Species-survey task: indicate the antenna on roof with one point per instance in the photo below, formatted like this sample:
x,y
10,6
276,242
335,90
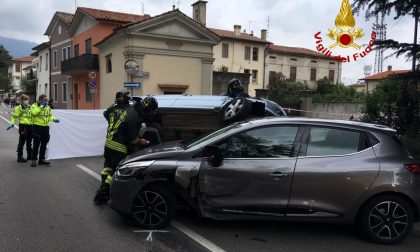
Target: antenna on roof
x,y
250,22
178,4
142,8
75,5
268,25
173,5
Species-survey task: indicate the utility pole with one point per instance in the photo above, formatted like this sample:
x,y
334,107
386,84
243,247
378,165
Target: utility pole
x,y
415,49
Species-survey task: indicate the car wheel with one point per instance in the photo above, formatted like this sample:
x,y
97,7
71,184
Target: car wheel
x,y
153,207
237,109
386,219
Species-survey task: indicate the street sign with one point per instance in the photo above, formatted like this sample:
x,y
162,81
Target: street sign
x,y
92,85
93,91
92,75
134,84
142,74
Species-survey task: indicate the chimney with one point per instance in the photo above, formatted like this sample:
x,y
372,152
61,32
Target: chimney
x,y
252,33
389,68
237,30
264,34
199,12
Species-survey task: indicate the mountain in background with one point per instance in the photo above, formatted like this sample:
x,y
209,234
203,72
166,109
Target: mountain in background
x,y
16,47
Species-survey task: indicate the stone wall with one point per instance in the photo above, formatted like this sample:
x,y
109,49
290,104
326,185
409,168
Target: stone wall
x,y
221,79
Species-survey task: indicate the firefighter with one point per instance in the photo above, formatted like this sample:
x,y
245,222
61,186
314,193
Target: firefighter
x,y
22,112
122,102
121,140
41,118
235,89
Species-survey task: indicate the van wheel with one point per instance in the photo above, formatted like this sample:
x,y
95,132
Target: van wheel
x,y
238,108
153,207
386,219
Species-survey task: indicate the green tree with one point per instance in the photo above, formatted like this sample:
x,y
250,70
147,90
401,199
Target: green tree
x,y
401,8
284,91
396,103
328,92
4,64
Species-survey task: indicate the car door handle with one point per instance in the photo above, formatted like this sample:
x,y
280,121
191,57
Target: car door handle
x,y
279,174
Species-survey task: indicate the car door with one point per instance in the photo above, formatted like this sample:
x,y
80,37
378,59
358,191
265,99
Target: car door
x,y
255,175
335,168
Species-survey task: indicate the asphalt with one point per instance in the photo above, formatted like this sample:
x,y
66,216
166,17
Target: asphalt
x,y
50,209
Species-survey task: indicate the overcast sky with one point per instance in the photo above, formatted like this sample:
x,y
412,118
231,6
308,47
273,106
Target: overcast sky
x,y
292,22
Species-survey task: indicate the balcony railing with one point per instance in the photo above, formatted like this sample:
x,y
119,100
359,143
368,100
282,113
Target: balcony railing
x,y
80,64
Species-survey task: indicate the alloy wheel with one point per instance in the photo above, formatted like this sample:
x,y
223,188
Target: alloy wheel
x,y
388,220
150,208
233,108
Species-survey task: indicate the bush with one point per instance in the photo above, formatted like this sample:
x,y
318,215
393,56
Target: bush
x,y
328,92
284,91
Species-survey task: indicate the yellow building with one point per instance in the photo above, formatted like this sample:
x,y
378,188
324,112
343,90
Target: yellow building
x,y
373,81
174,54
359,87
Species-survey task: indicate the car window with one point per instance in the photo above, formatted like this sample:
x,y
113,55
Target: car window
x,y
268,142
207,139
330,141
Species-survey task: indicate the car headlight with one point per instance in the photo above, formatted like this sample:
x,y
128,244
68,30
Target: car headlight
x,y
129,169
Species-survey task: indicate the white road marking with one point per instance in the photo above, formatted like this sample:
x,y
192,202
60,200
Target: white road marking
x,y
190,233
149,237
89,171
8,121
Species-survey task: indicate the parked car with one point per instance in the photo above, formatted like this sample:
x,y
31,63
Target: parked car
x,y
187,117
280,168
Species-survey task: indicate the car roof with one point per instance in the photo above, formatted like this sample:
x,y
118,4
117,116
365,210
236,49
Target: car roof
x,y
325,122
191,101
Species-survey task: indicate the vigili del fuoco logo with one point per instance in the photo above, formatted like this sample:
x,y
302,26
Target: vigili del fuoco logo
x,y
345,35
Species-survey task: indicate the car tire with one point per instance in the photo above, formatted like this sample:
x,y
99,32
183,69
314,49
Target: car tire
x,y
386,219
153,207
238,108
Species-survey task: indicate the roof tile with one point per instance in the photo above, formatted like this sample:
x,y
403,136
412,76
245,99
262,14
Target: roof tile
x,y
244,36
295,50
111,16
383,75
67,17
24,59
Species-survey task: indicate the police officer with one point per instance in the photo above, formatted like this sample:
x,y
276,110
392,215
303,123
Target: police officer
x,y
22,113
41,117
121,140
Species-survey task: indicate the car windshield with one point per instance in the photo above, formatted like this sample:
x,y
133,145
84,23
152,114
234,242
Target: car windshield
x,y
206,139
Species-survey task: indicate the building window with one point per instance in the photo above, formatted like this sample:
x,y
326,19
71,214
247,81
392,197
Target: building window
x,y
108,63
88,44
17,67
254,76
272,57
68,52
314,61
332,63
331,76
293,59
293,73
89,96
64,90
225,50
313,74
247,71
55,59
255,54
76,50
55,92
247,53
271,77
64,54
40,63
46,61
46,89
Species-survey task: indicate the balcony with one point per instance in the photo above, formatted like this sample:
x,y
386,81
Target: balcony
x,y
80,64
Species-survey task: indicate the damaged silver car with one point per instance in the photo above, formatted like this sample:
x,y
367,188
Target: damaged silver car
x,y
280,169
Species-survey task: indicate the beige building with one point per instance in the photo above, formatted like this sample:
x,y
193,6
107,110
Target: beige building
x,y
301,64
15,71
42,62
359,87
373,81
174,54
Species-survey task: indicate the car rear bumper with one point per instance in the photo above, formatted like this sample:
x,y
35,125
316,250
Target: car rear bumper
x,y
123,193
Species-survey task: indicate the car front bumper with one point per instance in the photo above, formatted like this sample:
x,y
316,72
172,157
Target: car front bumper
x,y
123,193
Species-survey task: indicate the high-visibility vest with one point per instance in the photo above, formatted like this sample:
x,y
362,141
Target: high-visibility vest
x,y
41,115
23,114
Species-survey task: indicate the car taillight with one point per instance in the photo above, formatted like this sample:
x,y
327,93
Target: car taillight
x,y
413,168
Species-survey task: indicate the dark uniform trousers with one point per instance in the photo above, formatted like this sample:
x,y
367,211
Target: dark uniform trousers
x,y
112,159
25,136
41,135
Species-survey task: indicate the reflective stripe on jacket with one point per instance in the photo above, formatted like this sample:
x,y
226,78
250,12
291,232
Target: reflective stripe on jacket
x,y
41,115
23,114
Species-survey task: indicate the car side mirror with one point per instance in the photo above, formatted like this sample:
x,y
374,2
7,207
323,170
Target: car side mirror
x,y
142,130
214,155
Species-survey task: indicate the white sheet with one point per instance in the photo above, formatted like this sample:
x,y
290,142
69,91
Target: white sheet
x,y
80,133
